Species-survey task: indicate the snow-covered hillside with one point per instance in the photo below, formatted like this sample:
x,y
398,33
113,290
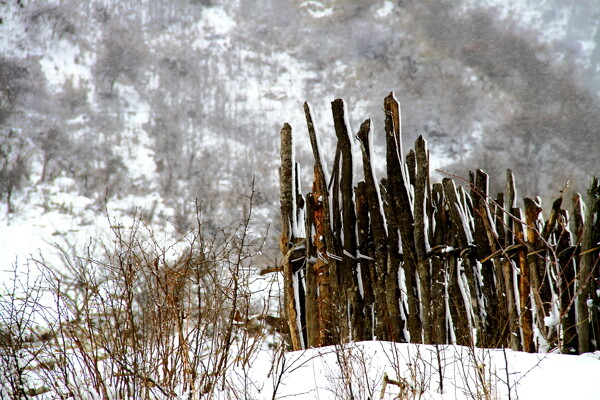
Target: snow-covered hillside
x,y
149,113
156,104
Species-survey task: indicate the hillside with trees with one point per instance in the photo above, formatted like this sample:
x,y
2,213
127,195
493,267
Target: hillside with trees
x,y
182,100
141,198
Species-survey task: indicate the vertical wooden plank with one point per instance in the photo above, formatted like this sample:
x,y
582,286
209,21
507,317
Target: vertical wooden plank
x,y
459,221
589,260
421,235
509,265
578,218
503,291
312,310
492,321
285,183
459,309
439,263
509,203
566,284
498,213
411,166
288,225
322,267
299,260
392,293
325,267
378,228
536,261
400,216
505,267
348,267
526,317
365,260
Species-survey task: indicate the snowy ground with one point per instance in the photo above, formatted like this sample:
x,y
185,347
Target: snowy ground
x,y
466,374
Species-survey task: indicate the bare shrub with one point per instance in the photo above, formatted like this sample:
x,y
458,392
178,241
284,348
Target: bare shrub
x,y
147,320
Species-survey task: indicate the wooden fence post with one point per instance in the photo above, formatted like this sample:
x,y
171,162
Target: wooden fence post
x,y
379,259
288,240
352,306
421,231
383,320
400,218
323,240
588,279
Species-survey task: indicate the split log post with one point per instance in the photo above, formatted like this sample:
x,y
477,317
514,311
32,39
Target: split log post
x,y
491,322
508,265
365,260
439,264
566,284
470,264
536,262
526,317
347,270
589,260
400,219
551,270
312,309
288,240
411,166
383,321
462,305
325,266
421,229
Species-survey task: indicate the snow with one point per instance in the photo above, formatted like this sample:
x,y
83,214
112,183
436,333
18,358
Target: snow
x,y
333,372
217,21
66,62
215,24
316,9
385,9
589,302
553,319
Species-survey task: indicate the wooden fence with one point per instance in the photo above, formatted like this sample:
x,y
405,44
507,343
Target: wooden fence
x,y
407,260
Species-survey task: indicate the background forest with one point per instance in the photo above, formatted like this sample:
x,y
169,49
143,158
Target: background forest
x,y
154,104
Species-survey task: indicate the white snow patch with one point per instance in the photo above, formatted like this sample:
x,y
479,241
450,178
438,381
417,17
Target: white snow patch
x,y
553,319
64,62
316,9
217,21
212,28
385,9
587,47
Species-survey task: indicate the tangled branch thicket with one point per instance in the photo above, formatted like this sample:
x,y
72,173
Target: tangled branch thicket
x,y
143,321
